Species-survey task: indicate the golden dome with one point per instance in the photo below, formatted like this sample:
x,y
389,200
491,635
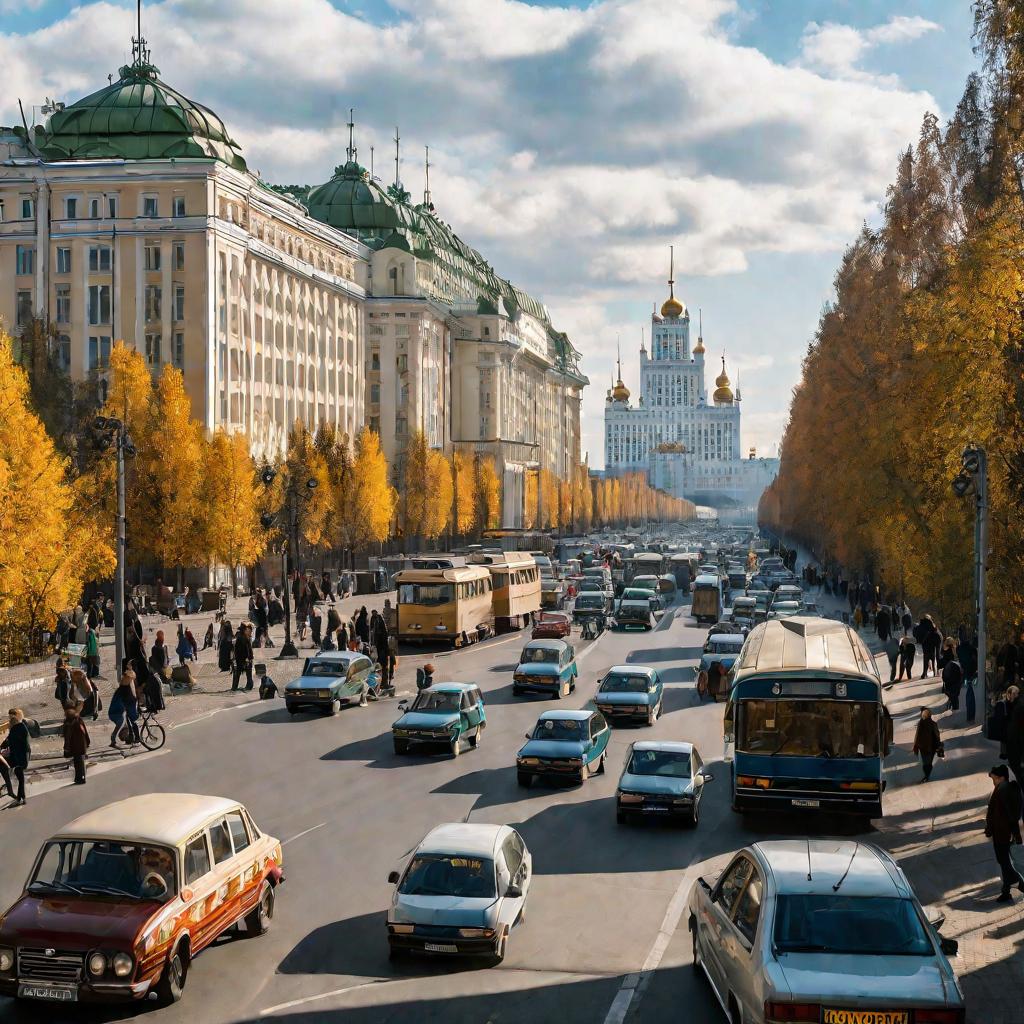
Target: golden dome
x,y
620,393
723,392
698,349
672,308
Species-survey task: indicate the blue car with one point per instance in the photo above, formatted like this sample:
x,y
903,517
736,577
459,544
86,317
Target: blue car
x,y
546,666
442,715
564,745
329,680
630,693
661,780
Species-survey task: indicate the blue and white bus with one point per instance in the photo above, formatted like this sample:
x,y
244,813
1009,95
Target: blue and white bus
x,y
806,721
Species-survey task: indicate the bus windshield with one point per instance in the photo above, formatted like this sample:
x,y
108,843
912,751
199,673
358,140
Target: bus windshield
x,y
808,728
429,594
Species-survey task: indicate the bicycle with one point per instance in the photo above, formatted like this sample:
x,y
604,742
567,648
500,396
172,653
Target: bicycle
x,y
152,734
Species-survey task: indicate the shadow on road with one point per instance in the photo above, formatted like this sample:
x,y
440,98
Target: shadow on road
x,y
492,786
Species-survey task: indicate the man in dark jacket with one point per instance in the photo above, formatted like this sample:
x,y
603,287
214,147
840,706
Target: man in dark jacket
x,y
15,754
243,657
1015,737
967,654
883,623
76,741
952,683
1002,826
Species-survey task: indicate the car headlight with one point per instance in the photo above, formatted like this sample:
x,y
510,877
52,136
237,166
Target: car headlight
x,y
686,799
440,628
401,929
97,964
630,798
528,760
576,761
476,933
400,732
123,964
6,959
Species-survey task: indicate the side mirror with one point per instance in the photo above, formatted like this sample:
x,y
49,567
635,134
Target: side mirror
x,y
403,706
527,735
513,891
708,777
393,878
949,947
703,883
935,917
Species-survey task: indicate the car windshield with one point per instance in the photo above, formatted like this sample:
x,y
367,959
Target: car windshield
x,y
592,586
868,925
644,583
633,594
560,729
449,875
809,728
722,647
590,601
436,700
95,867
428,594
539,656
669,764
616,683
325,668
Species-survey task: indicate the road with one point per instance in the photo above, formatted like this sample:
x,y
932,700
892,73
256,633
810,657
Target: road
x,y
600,940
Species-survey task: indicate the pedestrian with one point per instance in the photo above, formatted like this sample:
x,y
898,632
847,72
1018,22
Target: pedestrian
x,y
83,692
160,656
331,630
76,740
302,607
892,652
92,615
968,655
927,742
1006,662
928,636
1015,733
124,710
108,614
316,622
325,586
275,612
702,684
183,648
16,752
192,644
947,653
363,626
1002,826
243,657
208,638
952,683
61,683
908,649
92,652
226,646
425,677
60,633
858,618
883,623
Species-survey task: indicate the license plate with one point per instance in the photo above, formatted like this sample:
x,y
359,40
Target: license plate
x,y
440,947
796,802
866,1017
654,807
53,993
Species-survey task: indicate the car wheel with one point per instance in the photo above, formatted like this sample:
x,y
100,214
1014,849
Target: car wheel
x,y
600,766
620,817
334,708
257,921
474,740
456,747
516,691
692,819
525,779
394,953
401,746
500,947
171,986
695,945
292,709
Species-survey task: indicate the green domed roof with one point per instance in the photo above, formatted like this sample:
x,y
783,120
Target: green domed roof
x,y
351,202
137,118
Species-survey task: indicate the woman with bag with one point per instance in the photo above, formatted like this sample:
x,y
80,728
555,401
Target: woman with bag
x,y
15,754
927,742
82,691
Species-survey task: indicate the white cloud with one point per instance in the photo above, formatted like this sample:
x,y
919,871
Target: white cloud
x,y
570,145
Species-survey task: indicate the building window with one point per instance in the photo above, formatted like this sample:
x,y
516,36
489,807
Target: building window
x,y
99,304
99,351
178,355
63,303
154,302
28,208
152,256
63,261
99,258
402,363
179,302
153,348
374,360
179,206
375,394
25,258
24,311
1,211
64,352
71,207
95,207
150,206
112,207
401,426
179,255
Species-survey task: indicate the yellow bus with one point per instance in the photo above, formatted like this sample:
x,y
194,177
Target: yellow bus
x,y
515,579
445,604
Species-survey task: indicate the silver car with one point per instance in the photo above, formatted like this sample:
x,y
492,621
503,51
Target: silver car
x,y
821,930
461,892
661,779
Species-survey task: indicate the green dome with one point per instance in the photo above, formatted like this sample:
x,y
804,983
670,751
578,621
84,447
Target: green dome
x,y
351,202
137,118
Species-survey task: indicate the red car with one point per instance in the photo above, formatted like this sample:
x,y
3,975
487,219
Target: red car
x,y
552,626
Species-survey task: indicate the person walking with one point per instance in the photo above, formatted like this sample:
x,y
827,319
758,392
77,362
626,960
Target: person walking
x,y
363,626
883,623
83,692
226,646
928,636
160,656
1015,732
906,619
183,649
61,683
261,617
968,655
243,657
124,709
927,742
76,741
92,652
892,652
16,752
1002,826
325,586
331,631
952,683
908,649
316,622
208,637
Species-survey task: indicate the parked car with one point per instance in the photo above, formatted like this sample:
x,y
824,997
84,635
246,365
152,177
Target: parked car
x,y
441,715
329,679
546,666
564,745
552,626
121,900
636,607
792,930
461,893
630,693
661,779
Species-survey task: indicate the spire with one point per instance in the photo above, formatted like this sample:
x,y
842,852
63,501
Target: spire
x,y
737,385
426,177
672,308
398,139
671,271
351,151
643,346
618,356
699,347
140,52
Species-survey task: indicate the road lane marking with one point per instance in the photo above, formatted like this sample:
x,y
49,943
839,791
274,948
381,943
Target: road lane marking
x,y
306,833
323,995
633,984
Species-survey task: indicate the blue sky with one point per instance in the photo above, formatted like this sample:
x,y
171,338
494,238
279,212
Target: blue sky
x,y
572,142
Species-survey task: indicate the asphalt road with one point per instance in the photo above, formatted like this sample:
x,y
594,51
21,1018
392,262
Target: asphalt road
x,y
599,941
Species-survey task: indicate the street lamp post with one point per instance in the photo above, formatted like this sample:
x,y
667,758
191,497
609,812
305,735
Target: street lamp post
x,y
267,520
974,477
108,432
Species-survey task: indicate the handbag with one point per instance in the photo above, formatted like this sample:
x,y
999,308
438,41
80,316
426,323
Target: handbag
x,y
941,750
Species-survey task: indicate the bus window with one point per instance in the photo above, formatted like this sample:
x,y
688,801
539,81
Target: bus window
x,y
808,728
428,594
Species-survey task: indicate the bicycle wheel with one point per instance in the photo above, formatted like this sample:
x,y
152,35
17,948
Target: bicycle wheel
x,y
152,734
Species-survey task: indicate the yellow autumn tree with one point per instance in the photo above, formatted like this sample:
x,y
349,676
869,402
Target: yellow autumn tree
x,y
341,521
440,495
48,545
231,498
488,493
548,499
312,505
373,498
531,491
464,486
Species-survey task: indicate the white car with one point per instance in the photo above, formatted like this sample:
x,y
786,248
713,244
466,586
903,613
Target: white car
x,y
461,893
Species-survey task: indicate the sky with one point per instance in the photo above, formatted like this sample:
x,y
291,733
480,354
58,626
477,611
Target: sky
x,y
571,142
